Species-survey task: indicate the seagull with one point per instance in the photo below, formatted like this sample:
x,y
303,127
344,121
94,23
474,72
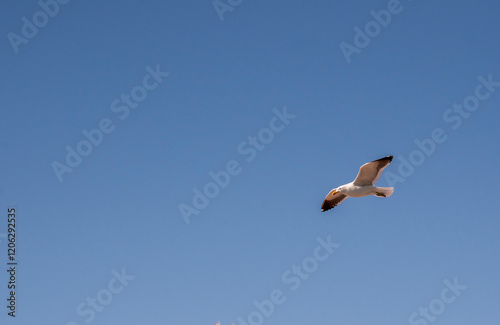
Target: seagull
x,y
363,185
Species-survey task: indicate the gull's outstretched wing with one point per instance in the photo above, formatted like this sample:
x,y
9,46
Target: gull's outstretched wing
x,y
332,200
370,172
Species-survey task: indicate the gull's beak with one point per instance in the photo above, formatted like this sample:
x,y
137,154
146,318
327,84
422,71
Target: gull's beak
x,y
335,192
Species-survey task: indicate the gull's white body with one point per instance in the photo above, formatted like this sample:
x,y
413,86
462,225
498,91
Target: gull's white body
x,y
359,191
363,185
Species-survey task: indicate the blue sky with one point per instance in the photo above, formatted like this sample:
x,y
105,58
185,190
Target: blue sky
x,y
106,242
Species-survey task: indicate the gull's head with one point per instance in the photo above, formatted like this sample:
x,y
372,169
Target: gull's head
x,y
339,189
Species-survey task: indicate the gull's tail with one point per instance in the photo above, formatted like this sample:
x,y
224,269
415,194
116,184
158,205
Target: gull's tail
x,y
384,191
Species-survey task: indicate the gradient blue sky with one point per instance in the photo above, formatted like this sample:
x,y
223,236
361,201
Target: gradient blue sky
x,y
120,207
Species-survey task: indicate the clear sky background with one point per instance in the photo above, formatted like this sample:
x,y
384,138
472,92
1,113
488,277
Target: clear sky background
x,y
119,208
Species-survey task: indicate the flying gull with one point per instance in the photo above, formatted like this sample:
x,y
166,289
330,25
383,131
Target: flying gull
x,y
363,185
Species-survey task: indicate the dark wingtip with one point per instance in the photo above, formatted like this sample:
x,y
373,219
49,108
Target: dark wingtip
x,y
326,208
385,158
